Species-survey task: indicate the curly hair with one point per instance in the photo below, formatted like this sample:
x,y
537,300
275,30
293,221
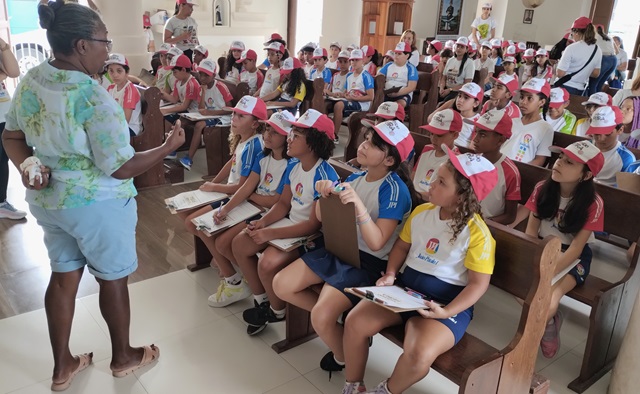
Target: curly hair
x,y
468,206
319,142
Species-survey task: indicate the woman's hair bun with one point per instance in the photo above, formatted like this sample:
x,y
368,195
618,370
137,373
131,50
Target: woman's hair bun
x,y
47,13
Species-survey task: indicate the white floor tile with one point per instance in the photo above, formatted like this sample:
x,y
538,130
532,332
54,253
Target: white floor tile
x,y
564,370
306,357
296,386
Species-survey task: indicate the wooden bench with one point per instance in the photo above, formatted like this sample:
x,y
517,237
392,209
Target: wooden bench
x,y
479,76
314,97
576,107
151,136
524,267
425,102
610,302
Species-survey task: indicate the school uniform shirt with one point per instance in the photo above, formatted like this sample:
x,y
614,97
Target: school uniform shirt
x,y
233,75
307,70
78,131
527,72
452,69
128,97
425,171
399,75
339,83
358,85
162,78
574,57
386,198
511,109
581,127
303,187
271,81
616,160
324,74
564,124
190,90
483,27
244,156
216,98
271,173
333,65
253,79
178,27
432,253
489,64
300,93
507,188
545,73
595,217
371,68
528,141
414,58
466,134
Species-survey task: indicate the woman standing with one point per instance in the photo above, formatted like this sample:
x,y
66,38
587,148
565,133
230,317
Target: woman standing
x,y
81,137
483,27
581,59
619,76
608,64
181,29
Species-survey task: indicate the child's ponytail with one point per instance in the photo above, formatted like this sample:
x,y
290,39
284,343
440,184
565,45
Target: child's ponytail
x,y
545,107
468,206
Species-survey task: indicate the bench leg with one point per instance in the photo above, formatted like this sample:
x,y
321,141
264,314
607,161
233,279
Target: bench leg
x,y
203,256
299,329
482,380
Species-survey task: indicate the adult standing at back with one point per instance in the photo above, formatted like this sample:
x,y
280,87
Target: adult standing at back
x,y
80,135
483,27
181,29
609,61
580,60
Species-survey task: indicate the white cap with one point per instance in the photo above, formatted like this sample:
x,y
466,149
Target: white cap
x,y
472,89
164,48
175,51
343,55
356,54
201,49
487,5
511,50
529,53
509,59
237,46
485,44
600,99
335,44
275,46
208,66
449,44
462,41
496,43
116,58
542,52
281,122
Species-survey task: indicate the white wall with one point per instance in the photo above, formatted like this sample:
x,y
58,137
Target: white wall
x,y
342,22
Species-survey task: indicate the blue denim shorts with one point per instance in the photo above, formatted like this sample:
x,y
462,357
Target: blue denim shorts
x,y
101,236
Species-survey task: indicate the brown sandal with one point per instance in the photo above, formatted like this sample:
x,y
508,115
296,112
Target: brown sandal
x,y
151,354
85,361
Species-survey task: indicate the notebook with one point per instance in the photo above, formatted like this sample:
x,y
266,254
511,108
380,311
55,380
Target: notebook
x,y
394,298
289,244
239,214
197,116
192,199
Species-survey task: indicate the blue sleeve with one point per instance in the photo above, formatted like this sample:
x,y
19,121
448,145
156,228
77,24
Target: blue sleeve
x,y
324,172
285,177
346,81
627,158
367,80
256,164
266,63
384,68
413,72
394,200
633,167
326,73
355,176
249,155
499,61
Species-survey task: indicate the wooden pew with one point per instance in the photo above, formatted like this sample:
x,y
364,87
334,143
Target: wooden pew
x,y
576,107
314,97
426,67
152,136
425,102
479,76
610,303
497,70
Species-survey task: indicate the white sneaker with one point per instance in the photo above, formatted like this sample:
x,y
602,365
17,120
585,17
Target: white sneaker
x,y
8,211
353,388
228,294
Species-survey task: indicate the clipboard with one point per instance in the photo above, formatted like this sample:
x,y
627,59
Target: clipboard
x,y
289,244
393,298
394,89
339,229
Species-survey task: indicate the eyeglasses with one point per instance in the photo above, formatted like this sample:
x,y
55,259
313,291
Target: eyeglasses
x,y
108,42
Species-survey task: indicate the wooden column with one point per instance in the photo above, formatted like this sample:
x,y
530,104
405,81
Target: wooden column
x,y
292,20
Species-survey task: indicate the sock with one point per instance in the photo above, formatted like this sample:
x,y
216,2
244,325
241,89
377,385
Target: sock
x,y
234,279
337,361
279,313
260,298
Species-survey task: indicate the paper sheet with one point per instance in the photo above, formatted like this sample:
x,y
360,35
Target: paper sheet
x,y
192,199
237,215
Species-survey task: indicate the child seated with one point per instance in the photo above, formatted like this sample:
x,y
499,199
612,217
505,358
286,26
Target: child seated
x,y
467,102
606,126
124,92
232,67
492,130
504,88
173,53
560,119
596,100
509,64
199,54
186,90
543,68
275,53
334,50
163,72
307,54
370,59
338,85
250,73
402,76
388,110
319,69
528,65
292,90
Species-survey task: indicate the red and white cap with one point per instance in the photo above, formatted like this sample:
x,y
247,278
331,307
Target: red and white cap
x,y
275,46
202,50
472,89
249,105
443,122
509,81
537,85
397,134
335,44
605,119
390,54
146,21
478,170
273,37
185,2
351,47
281,122
309,47
436,59
344,55
356,54
583,152
521,47
317,120
368,50
449,44
289,64
164,48
558,97
496,120
116,58
599,99
180,61
319,53
249,54
436,44
464,41
175,52
236,46
581,23
542,52
496,43
389,110
509,59
208,66
402,47
485,44
510,51
507,43
530,53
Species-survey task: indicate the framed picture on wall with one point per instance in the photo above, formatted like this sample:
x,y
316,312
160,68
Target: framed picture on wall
x,y
449,18
528,16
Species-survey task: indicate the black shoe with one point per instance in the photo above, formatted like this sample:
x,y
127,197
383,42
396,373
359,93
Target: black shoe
x,y
260,315
255,330
328,363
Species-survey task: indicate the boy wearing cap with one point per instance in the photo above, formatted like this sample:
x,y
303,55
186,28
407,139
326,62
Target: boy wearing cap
x,y
199,54
606,126
124,92
174,52
503,90
458,70
509,65
595,101
275,52
250,73
338,85
434,49
334,51
319,70
401,76
560,119
484,61
493,129
186,91
307,52
273,38
484,26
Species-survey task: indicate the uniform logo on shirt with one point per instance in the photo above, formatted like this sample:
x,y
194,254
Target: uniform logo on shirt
x,y
394,75
210,101
524,146
268,178
298,194
427,178
233,163
432,246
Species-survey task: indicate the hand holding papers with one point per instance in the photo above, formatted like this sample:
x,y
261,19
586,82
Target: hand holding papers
x,y
192,199
394,298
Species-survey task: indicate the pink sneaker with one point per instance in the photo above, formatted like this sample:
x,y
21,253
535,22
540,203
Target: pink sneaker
x,y
550,343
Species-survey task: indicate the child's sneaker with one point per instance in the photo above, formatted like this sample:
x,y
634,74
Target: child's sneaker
x,y
353,388
329,364
171,156
259,316
380,389
227,294
550,343
186,163
8,211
